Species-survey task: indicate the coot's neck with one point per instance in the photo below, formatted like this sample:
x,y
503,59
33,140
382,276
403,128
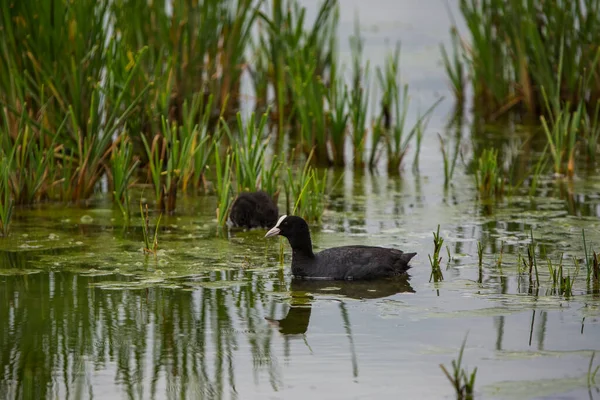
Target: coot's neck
x,y
301,246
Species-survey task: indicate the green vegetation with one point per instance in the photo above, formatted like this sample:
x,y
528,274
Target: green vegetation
x,y
592,372
122,169
150,243
148,106
305,192
488,177
6,203
436,261
562,284
462,382
516,48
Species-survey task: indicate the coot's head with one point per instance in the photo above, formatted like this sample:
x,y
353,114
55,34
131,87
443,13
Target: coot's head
x,y
295,229
289,226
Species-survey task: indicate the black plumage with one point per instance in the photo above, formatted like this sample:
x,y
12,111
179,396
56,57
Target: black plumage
x,y
253,210
342,263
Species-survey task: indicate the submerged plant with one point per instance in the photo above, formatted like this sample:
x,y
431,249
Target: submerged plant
x,y
462,382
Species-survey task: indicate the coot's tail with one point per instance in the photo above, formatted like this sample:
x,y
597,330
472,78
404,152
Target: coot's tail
x,y
406,257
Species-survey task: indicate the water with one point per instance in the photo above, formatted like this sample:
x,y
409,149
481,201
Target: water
x,y
86,315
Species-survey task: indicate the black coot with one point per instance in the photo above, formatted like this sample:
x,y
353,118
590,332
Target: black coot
x,y
347,262
253,210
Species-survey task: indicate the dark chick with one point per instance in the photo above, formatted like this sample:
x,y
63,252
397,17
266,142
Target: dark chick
x,y
346,262
253,210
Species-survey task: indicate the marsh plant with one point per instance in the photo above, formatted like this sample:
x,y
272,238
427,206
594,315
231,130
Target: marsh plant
x,y
171,160
462,382
358,98
488,175
306,192
394,111
436,260
81,104
561,131
516,48
250,149
150,242
6,201
123,167
224,187
455,67
562,281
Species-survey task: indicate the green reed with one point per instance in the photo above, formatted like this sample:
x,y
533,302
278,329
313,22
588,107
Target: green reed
x,y
562,283
395,104
196,47
309,94
6,201
436,260
531,263
450,154
591,132
33,172
287,38
561,131
488,175
270,179
224,187
306,189
449,158
249,148
171,160
540,167
455,67
123,166
68,68
378,132
518,47
57,51
337,117
196,118
150,244
462,382
594,271
358,97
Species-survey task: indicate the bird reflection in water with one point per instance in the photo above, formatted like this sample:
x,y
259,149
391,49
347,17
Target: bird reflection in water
x,y
305,292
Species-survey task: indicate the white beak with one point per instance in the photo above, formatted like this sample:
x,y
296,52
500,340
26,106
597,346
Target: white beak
x,y
273,232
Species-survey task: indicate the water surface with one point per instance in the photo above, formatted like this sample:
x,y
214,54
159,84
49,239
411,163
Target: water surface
x,y
87,315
